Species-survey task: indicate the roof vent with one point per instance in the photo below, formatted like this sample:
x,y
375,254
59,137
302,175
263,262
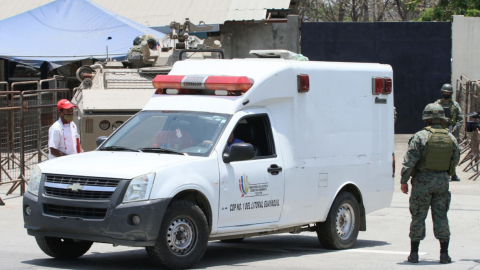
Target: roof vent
x,y
287,55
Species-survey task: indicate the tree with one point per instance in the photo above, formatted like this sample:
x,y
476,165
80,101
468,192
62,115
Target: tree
x,y
354,10
445,9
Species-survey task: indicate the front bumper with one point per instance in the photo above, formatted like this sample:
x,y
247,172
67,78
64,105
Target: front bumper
x,y
115,227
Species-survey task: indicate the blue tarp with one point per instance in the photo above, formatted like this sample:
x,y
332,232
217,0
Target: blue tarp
x,y
64,31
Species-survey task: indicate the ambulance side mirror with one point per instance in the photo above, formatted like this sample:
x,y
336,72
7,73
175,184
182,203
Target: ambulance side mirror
x,y
100,140
239,152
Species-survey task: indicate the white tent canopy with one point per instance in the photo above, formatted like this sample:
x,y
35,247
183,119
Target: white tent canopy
x,y
64,31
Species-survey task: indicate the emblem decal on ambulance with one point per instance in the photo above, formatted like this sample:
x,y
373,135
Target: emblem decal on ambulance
x,y
243,184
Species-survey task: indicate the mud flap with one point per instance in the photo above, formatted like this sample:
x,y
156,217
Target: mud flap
x,y
363,218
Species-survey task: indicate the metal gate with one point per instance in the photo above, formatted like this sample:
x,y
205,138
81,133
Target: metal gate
x,y
468,96
25,118
419,53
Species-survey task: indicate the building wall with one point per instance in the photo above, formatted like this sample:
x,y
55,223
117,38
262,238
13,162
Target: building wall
x,y
419,53
465,48
239,38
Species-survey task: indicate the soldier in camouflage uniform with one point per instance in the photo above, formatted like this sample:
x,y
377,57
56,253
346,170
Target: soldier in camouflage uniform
x,y
454,115
432,156
134,55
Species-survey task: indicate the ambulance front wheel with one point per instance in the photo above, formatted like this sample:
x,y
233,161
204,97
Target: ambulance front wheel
x,y
183,236
340,230
64,249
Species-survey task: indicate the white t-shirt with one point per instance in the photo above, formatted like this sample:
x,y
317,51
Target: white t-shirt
x,y
63,138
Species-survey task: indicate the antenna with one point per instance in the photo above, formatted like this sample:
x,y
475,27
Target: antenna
x,y
107,54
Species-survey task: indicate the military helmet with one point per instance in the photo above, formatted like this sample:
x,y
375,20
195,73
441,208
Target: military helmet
x,y
137,40
447,88
150,39
433,111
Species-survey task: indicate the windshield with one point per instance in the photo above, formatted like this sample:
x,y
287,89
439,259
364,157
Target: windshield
x,y
191,133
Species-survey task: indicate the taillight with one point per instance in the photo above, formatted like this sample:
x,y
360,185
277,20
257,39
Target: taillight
x,y
377,85
388,86
381,85
303,83
176,84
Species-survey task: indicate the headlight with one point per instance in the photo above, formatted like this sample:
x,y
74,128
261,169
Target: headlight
x,y
139,188
34,183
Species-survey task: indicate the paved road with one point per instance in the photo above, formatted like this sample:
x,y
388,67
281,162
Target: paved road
x,y
385,244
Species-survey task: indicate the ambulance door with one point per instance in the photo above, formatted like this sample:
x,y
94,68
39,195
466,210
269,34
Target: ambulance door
x,y
251,191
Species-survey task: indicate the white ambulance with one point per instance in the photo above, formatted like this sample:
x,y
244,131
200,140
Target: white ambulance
x,y
227,149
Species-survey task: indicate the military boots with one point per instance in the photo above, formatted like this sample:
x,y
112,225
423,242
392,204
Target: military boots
x,y
444,258
413,258
455,178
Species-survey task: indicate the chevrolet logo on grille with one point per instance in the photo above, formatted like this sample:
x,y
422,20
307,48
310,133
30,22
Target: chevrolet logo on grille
x,y
75,187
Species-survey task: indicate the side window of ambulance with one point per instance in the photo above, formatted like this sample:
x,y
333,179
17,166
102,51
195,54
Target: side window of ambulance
x,y
256,131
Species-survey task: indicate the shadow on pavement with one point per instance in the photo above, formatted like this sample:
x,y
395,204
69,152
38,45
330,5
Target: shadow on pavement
x,y
424,262
217,254
5,198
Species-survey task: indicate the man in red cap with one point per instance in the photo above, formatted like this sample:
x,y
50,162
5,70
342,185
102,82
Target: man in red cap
x,y
63,138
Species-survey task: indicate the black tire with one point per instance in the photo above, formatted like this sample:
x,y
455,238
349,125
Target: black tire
x,y
235,240
64,249
187,220
344,234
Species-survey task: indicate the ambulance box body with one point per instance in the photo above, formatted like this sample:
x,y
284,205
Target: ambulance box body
x,y
228,149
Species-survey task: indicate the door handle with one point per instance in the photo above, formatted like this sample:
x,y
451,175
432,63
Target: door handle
x,y
274,169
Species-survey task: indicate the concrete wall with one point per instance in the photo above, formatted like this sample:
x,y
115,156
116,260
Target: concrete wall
x,y
465,48
239,38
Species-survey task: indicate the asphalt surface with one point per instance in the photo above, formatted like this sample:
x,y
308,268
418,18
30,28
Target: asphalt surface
x,y
385,244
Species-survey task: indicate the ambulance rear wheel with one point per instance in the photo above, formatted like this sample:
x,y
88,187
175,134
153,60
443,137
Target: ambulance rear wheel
x,y
340,230
183,236
65,249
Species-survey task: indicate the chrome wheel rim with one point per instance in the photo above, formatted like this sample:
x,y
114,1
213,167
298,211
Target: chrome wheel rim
x,y
345,221
181,235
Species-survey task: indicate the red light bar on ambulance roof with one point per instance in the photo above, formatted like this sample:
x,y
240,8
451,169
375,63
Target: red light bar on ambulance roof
x,y
381,85
228,84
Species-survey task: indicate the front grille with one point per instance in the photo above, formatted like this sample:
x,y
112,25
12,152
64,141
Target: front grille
x,y
81,194
79,187
70,211
84,181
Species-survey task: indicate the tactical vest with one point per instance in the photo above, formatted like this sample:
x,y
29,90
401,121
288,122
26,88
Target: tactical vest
x,y
439,151
136,48
453,113
134,56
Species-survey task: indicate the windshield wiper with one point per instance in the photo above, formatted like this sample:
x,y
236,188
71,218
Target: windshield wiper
x,y
118,148
161,150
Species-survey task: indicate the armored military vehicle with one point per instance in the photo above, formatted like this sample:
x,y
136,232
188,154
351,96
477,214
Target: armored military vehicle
x,y
112,91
